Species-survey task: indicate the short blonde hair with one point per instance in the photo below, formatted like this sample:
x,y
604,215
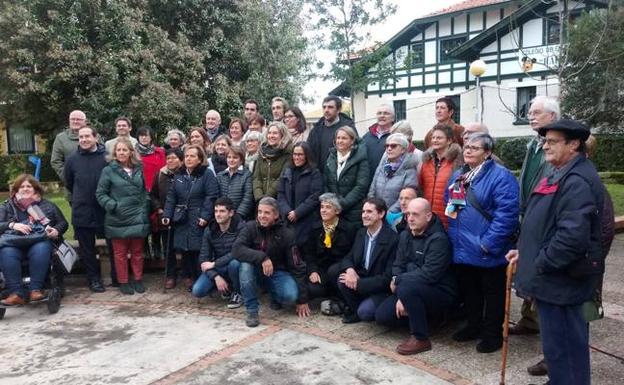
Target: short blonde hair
x,y
134,158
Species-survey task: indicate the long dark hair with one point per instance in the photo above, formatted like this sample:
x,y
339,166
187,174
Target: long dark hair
x,y
301,125
310,161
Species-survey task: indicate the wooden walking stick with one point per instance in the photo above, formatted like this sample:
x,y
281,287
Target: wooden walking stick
x,y
167,256
511,270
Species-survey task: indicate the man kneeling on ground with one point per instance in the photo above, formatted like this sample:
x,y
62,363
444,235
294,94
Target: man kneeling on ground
x,y
267,251
215,256
367,268
422,283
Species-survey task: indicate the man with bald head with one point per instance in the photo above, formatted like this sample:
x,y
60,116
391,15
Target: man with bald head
x,y
213,125
423,284
66,142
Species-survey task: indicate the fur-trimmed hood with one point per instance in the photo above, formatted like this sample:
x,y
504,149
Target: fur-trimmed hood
x,y
453,154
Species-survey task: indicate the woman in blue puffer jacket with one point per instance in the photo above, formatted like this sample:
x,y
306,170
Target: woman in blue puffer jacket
x,y
483,207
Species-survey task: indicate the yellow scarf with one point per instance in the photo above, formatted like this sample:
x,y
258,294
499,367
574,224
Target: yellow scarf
x,y
329,232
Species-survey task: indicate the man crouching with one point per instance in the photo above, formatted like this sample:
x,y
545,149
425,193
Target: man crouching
x,y
268,255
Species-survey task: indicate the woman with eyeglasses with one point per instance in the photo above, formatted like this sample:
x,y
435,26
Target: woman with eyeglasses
x,y
299,188
439,162
483,207
397,169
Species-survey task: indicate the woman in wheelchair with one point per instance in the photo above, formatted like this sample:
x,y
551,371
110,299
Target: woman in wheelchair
x,y
28,227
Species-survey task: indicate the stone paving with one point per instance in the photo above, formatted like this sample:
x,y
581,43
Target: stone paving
x,y
171,338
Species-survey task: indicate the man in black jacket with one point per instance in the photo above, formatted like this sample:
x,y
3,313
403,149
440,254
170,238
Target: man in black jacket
x,y
215,256
322,135
367,268
82,173
422,281
268,253
560,255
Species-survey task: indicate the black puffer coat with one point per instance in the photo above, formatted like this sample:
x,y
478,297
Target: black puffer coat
x,y
301,195
238,187
197,191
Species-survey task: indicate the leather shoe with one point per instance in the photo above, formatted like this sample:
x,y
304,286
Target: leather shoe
x,y
465,334
413,346
539,369
170,283
13,300
36,295
519,330
96,287
188,283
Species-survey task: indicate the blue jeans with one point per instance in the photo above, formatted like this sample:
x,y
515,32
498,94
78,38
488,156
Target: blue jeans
x,y
38,264
281,285
565,340
204,284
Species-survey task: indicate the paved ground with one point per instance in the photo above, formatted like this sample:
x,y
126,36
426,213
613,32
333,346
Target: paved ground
x,y
171,338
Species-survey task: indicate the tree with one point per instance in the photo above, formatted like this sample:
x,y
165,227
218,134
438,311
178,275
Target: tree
x,y
593,74
159,62
345,26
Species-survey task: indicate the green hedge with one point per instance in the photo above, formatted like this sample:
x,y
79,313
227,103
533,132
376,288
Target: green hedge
x,y
13,165
609,155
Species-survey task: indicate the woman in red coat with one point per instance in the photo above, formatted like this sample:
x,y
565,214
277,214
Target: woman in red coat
x,y
153,159
439,162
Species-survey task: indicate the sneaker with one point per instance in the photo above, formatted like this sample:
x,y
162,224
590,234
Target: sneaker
x,y
252,320
125,288
330,307
96,286
138,287
236,300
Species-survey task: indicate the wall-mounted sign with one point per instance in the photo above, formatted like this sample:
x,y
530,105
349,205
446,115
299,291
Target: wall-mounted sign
x,y
539,58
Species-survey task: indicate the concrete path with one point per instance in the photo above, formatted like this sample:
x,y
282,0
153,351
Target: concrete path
x,y
171,338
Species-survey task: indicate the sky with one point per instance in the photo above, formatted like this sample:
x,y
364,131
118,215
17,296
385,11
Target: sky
x,y
407,10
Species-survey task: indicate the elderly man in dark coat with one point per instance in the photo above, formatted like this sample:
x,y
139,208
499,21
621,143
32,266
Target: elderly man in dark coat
x,y
560,257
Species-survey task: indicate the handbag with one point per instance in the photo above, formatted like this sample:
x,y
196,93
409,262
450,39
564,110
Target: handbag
x,y
180,212
67,255
13,238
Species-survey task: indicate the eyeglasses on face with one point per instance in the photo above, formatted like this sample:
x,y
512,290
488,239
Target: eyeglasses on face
x,y
391,145
472,148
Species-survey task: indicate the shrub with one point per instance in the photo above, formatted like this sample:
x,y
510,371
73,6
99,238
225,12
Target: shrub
x,y
13,165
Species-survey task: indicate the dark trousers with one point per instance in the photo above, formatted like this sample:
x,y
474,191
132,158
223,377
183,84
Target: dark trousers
x,y
327,287
168,252
365,305
484,296
111,257
565,341
190,265
421,301
86,238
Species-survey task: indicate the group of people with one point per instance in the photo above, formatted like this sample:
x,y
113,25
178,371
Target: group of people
x,y
377,229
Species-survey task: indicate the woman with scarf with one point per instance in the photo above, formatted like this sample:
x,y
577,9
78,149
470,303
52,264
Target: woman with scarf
x,y
273,158
26,214
296,123
153,159
158,195
220,148
397,169
329,241
299,188
252,147
121,192
346,173
482,209
439,162
236,131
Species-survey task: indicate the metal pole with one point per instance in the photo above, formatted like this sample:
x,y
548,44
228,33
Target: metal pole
x,y
478,92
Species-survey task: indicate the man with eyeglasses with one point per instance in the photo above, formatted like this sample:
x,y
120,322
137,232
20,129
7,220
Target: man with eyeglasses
x,y
65,143
375,138
544,110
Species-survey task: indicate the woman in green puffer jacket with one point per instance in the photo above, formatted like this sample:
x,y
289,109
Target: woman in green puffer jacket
x,y
121,192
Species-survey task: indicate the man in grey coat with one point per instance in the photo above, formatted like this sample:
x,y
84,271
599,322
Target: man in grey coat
x,y
66,142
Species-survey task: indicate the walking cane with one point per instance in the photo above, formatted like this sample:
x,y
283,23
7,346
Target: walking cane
x,y
511,270
167,256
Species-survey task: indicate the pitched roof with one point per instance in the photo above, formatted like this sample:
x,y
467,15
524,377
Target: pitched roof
x,y
466,4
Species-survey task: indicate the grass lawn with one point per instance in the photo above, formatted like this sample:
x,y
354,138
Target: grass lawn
x,y
617,194
59,200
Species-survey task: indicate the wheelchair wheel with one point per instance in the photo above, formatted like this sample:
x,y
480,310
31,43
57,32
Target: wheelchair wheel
x,y
54,300
2,311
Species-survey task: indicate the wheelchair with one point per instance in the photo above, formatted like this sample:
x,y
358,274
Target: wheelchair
x,y
54,285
